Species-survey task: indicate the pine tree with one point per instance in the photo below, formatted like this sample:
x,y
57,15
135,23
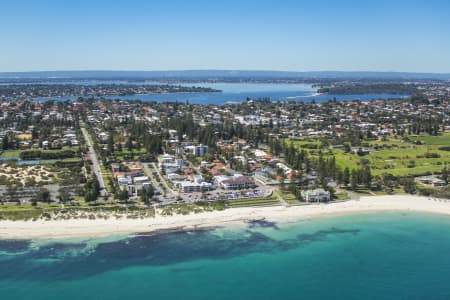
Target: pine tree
x,y
346,176
5,143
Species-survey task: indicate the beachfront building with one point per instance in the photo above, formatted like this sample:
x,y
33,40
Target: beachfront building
x,y
236,182
189,186
317,195
431,180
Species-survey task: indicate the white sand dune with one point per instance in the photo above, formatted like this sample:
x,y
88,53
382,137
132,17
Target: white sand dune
x,y
104,227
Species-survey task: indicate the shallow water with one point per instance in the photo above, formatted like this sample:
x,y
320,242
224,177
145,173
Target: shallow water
x,y
364,256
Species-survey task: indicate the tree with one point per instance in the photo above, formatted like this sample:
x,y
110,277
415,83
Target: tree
x,y
347,148
146,194
129,144
64,195
354,179
43,195
110,146
34,133
444,175
346,176
92,189
123,195
5,143
409,186
366,176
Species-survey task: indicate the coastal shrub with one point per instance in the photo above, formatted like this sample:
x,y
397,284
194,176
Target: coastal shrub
x,y
3,180
411,164
425,191
431,155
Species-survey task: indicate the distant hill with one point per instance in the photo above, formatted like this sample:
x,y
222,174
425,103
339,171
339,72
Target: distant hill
x,y
221,74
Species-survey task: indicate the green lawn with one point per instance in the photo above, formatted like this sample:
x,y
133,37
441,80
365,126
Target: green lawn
x,y
396,156
443,139
288,197
107,177
342,196
11,154
125,151
259,201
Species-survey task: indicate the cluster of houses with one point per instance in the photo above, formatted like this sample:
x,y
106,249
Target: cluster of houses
x,y
130,177
186,180
24,139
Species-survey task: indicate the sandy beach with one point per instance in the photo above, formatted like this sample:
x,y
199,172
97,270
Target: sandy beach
x,y
103,227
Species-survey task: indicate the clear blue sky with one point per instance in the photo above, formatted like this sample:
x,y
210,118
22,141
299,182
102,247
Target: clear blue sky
x,y
377,35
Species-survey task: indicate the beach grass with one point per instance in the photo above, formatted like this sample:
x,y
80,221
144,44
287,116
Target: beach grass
x,y
57,211
188,208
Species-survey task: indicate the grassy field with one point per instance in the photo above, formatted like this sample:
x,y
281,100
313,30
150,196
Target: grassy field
x,y
125,151
107,177
342,196
443,139
288,197
396,156
260,201
11,154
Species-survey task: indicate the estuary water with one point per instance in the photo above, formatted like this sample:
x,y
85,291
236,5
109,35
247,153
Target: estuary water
x,y
238,92
364,256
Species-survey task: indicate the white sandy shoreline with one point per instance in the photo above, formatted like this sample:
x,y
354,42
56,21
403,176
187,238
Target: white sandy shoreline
x,y
103,227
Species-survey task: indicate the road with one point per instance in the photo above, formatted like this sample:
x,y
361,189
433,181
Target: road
x,y
95,162
163,181
169,198
149,174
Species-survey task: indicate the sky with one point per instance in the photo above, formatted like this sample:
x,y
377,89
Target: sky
x,y
285,35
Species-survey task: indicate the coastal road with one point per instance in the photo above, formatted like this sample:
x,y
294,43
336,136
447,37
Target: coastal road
x,y
163,180
149,174
95,162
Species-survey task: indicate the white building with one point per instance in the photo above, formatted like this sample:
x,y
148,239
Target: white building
x,y
170,162
198,179
122,180
235,182
189,187
199,150
176,177
140,179
317,195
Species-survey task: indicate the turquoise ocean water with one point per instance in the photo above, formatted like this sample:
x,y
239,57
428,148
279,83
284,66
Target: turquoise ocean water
x,y
365,256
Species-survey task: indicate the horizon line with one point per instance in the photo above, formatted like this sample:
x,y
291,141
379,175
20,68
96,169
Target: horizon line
x,y
230,70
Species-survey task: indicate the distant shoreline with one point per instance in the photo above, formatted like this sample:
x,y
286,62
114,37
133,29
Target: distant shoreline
x,y
79,228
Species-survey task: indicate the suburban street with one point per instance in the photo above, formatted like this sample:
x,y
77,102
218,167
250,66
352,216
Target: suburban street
x,y
149,174
163,181
95,162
